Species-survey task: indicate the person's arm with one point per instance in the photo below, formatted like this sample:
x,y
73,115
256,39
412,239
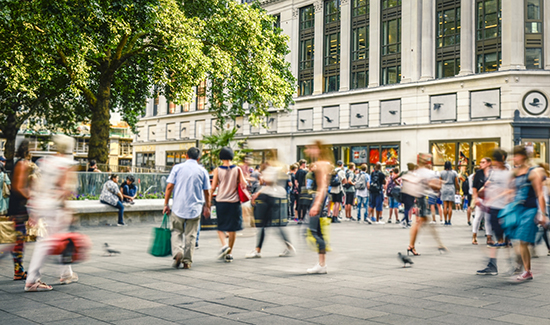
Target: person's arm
x,y
214,181
322,185
167,195
536,180
21,173
242,180
457,185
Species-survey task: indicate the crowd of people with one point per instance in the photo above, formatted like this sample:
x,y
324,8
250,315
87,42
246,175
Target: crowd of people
x,y
509,201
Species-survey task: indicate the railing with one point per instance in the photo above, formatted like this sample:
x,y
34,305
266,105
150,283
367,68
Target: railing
x,y
128,169
92,183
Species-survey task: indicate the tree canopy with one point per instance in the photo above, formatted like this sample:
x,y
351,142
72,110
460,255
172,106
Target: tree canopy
x,y
113,52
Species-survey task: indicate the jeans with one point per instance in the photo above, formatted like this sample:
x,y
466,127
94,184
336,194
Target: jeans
x,y
362,202
120,208
408,201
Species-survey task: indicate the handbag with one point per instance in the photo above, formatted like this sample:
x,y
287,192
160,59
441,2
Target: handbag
x,y
73,247
161,244
5,188
244,195
8,235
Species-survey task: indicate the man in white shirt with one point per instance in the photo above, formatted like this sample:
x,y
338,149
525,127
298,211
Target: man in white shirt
x,y
363,194
191,186
337,192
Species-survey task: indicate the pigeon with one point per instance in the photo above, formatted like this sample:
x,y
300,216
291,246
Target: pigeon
x,y
328,119
404,259
109,250
359,115
393,112
437,106
238,126
489,105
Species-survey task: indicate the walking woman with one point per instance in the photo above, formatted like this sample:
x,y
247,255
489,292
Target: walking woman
x,y
449,188
226,179
4,200
528,201
17,210
323,167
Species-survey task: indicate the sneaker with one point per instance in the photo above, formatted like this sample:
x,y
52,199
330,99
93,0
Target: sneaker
x,y
228,258
66,279
389,220
449,223
469,223
487,271
253,254
381,222
432,222
317,269
223,252
38,286
442,222
121,225
548,253
373,219
527,275
367,220
289,251
196,245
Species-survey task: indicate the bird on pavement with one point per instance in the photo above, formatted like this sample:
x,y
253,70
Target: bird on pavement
x,y
109,250
404,259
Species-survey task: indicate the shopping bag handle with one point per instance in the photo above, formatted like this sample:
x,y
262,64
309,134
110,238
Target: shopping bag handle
x,y
164,221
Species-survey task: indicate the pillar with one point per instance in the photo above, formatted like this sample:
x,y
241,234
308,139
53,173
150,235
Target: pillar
x,y
318,49
428,41
467,37
513,35
374,46
345,44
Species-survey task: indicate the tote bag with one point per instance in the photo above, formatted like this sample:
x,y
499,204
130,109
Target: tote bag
x,y
161,244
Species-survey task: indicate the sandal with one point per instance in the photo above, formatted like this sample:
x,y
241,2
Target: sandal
x,y
474,242
66,279
20,276
412,250
38,286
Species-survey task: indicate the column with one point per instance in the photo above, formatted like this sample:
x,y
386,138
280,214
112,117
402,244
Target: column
x,y
318,49
428,41
513,35
292,29
546,37
411,31
345,44
374,44
467,39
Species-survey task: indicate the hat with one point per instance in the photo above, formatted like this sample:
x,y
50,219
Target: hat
x,y
226,153
339,163
2,158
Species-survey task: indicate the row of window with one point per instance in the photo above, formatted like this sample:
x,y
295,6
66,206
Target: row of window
x,y
198,103
448,23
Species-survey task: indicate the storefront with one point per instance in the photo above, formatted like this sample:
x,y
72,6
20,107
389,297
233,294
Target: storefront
x,y
145,156
464,155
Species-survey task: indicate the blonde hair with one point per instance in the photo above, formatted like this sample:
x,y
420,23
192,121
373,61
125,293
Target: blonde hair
x,y
63,144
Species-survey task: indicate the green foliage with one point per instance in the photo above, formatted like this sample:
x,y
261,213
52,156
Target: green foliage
x,y
215,142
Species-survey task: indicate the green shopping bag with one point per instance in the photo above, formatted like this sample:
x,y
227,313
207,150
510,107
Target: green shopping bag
x,y
161,244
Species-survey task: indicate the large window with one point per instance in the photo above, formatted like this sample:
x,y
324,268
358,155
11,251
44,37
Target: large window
x,y
488,35
391,42
145,159
464,155
201,96
175,157
331,71
448,38
533,34
305,67
360,44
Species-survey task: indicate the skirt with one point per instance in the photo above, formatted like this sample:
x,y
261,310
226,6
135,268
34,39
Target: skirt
x,y
448,193
229,216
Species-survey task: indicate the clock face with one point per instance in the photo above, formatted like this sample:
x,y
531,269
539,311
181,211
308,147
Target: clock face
x,y
535,103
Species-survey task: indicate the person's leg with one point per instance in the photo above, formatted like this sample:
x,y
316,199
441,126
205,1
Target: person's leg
x,y
432,210
39,256
488,228
379,206
366,206
360,200
177,232
120,208
262,212
525,255
475,225
191,227
221,236
19,249
315,228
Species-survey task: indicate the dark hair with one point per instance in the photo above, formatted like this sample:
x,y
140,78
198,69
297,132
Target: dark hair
x,y
302,162
194,153
113,176
92,163
226,153
131,178
377,166
364,167
499,155
396,170
520,150
448,165
23,149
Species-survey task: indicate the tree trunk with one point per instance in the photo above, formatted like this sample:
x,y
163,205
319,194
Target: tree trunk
x,y
99,131
10,130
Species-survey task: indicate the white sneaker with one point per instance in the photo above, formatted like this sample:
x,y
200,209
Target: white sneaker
x,y
432,222
368,221
441,222
317,269
253,254
289,251
224,251
381,222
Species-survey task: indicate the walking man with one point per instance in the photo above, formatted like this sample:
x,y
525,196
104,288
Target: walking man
x,y
337,190
191,186
377,181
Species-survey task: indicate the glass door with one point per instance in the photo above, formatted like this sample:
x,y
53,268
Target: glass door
x,y
537,150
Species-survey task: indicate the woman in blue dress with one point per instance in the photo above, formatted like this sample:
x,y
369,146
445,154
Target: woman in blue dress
x,y
529,196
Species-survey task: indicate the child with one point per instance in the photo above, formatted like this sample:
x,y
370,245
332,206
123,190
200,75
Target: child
x,y
458,202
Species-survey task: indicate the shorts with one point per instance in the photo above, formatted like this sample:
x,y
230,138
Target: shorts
x,y
432,200
375,201
422,204
229,216
350,198
439,201
393,203
495,224
337,198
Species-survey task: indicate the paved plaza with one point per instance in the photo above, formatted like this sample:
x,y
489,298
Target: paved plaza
x,y
365,284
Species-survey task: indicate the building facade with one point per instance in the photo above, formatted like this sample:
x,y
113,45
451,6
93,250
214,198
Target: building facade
x,y
381,80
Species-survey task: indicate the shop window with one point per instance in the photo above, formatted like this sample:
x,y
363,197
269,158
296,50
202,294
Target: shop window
x,y
175,157
537,150
534,34
145,159
464,155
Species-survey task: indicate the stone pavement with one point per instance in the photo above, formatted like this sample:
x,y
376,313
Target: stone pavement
x,y
365,284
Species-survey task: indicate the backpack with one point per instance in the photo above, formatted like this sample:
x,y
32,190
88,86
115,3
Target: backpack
x,y
349,174
335,180
361,183
396,193
376,179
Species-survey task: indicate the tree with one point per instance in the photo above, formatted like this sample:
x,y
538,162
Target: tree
x,y
215,142
115,52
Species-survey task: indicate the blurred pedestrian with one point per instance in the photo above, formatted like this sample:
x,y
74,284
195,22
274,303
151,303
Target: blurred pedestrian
x,y
111,195
190,184
478,194
4,197
322,157
53,187
17,208
393,203
227,178
449,189
407,194
304,201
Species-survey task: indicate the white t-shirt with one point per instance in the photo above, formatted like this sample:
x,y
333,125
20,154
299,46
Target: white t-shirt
x,y
364,192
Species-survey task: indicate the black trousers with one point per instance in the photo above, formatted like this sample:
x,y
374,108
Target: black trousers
x,y
267,208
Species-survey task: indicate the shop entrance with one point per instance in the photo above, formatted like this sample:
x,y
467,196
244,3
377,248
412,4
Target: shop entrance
x,y
537,150
464,155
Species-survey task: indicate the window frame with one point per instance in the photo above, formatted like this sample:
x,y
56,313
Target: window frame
x,y
445,53
534,40
487,45
357,65
390,60
306,34
331,28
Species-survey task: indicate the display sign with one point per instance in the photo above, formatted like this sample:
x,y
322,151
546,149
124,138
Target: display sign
x,y
374,155
390,155
359,155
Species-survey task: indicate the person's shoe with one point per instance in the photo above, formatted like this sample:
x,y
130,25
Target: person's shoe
x,y
20,276
121,225
469,223
253,254
335,220
177,261
317,269
527,275
38,286
381,222
548,253
367,220
196,245
389,220
223,252
432,222
186,266
442,222
489,270
66,279
228,258
133,202
289,251
449,224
